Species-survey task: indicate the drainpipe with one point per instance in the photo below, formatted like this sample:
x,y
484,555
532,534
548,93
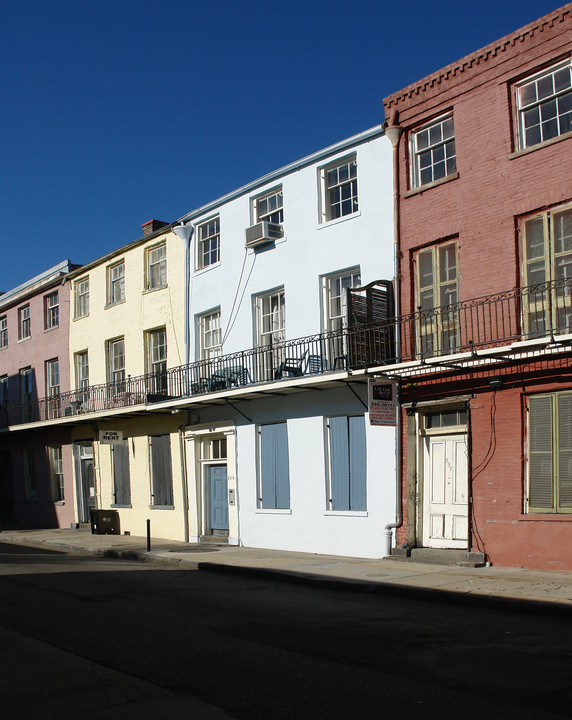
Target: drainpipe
x,y
393,132
184,232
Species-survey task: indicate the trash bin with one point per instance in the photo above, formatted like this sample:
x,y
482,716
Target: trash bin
x,y
105,522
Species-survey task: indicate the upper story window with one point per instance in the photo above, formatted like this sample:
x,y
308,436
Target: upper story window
x,y
340,189
544,105
3,332
51,311
208,243
116,360
336,298
210,336
3,390
116,283
547,271
156,267
24,329
82,370
270,207
157,361
81,298
433,151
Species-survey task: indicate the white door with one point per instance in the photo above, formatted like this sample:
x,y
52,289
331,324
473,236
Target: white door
x,y
445,491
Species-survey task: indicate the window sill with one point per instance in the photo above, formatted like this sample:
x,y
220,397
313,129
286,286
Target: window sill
x,y
146,291
329,223
114,505
47,330
545,517
21,340
539,146
273,511
110,305
429,186
346,513
58,502
161,507
80,317
202,270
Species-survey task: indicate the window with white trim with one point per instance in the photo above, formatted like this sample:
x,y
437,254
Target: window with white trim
x,y
346,450
210,336
3,332
433,151
156,267
51,311
24,326
547,272
208,243
339,189
82,370
56,473
270,333
157,361
116,283
336,297
270,207
544,105
81,298
116,360
53,387
550,453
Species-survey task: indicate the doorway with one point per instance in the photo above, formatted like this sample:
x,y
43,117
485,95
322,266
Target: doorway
x,y
217,490
85,480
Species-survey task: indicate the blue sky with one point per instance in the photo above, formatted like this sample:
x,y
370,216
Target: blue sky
x,y
116,112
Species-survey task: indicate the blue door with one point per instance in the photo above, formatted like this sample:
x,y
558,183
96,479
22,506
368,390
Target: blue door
x,y
218,496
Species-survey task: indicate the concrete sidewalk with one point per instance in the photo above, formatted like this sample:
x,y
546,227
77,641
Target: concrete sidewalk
x,y
516,589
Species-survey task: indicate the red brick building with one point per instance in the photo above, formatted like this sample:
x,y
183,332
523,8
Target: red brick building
x,y
483,201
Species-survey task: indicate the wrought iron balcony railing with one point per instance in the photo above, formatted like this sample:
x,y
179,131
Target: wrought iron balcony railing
x,y
537,311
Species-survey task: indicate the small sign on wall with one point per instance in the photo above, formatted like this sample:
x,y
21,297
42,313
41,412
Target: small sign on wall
x,y
382,403
111,437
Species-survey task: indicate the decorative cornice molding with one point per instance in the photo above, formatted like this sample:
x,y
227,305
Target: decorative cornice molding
x,y
467,63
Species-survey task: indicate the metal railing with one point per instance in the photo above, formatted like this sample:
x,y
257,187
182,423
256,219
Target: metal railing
x,y
537,311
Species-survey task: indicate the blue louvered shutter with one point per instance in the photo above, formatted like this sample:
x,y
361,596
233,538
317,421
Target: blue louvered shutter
x,y
274,466
282,468
339,463
357,481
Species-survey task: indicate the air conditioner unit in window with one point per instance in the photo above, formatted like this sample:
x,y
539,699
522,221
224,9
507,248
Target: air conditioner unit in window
x,y
263,232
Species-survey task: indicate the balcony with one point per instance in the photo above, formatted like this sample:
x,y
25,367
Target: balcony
x,y
539,312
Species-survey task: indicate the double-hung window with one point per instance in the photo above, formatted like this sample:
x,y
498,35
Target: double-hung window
x,y
3,332
156,267
56,473
547,271
116,360
210,336
270,207
437,281
433,151
347,463
3,390
544,105
550,453
26,393
116,283
208,243
274,473
53,387
81,298
340,189
161,474
51,311
157,361
24,329
271,333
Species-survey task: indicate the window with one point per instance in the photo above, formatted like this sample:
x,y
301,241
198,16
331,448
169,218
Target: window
x,y
53,387
347,463
437,292
24,329
30,482
81,370
56,473
274,473
121,477
433,151
550,453
3,332
116,360
271,333
161,476
51,311
210,337
544,104
156,267
81,298
3,390
208,243
116,283
26,393
548,272
340,191
269,207
157,361
336,298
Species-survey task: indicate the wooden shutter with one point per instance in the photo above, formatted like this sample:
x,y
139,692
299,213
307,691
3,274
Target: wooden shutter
x,y
540,461
161,478
565,451
122,485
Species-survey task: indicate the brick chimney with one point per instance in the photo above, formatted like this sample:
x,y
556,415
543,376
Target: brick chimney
x,y
152,226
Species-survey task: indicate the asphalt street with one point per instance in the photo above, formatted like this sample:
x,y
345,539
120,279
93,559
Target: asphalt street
x,y
112,639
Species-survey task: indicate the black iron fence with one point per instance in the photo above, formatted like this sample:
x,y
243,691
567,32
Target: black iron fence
x,y
543,310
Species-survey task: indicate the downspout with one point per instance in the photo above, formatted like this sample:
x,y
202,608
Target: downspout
x,y
394,131
185,232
